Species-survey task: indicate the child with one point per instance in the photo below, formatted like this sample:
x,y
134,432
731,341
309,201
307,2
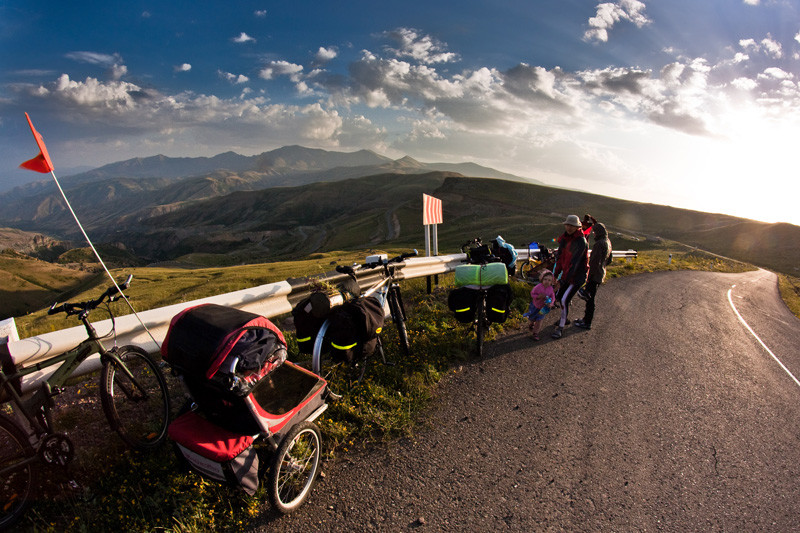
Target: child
x,y
542,297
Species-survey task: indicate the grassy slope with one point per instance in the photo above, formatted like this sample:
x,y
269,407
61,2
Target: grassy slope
x,y
159,287
27,283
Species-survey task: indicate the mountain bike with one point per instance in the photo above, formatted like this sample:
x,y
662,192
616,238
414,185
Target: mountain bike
x,y
387,292
539,258
133,393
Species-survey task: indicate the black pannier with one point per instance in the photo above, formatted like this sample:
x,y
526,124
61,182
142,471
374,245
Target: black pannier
x,y
498,302
354,328
309,314
481,254
463,302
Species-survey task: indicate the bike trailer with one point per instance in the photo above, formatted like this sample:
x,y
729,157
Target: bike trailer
x,y
481,276
463,302
287,396
498,302
354,329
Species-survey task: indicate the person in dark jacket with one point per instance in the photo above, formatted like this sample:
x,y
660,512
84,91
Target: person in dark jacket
x,y
571,268
599,259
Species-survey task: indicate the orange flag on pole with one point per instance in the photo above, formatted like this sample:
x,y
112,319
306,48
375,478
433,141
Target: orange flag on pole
x,y
40,163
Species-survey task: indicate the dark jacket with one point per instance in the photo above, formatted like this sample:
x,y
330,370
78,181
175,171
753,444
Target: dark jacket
x,y
573,260
601,254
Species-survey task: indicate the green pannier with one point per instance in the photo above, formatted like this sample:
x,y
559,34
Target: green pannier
x,y
481,275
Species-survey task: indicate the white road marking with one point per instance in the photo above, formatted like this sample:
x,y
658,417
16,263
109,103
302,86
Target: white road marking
x,y
753,333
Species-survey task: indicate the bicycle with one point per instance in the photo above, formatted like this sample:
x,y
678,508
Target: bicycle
x,y
387,293
539,258
470,302
133,393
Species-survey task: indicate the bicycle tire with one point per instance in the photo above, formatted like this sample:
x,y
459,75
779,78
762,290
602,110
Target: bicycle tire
x,y
17,485
399,318
481,325
526,271
294,467
140,420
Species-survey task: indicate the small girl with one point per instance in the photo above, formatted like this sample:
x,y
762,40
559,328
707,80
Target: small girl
x,y
542,297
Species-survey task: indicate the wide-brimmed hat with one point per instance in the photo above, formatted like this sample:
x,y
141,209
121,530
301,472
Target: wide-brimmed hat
x,y
573,220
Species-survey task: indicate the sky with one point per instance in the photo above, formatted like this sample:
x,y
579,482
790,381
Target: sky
x,y
689,103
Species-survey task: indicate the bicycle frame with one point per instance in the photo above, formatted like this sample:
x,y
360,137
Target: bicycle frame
x,y
69,362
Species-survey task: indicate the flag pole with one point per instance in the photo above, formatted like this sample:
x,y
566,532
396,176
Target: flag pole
x,y
88,240
42,163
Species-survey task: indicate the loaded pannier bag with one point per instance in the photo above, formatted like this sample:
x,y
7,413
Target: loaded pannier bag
x,y
354,328
498,302
309,314
481,276
463,302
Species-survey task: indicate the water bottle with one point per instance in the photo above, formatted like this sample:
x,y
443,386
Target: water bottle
x,y
546,309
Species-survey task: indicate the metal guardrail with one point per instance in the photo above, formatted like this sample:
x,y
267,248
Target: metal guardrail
x,y
268,300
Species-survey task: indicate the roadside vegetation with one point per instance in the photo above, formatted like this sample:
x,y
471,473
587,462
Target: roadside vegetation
x,y
119,490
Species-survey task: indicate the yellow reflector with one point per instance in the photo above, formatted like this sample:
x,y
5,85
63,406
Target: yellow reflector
x,y
343,347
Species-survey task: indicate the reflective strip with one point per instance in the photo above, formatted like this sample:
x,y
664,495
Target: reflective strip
x,y
498,310
343,347
304,339
462,310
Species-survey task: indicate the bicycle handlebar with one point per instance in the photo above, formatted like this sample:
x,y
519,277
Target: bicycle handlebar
x,y
399,259
112,293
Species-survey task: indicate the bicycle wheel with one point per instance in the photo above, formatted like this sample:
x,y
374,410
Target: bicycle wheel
x,y
481,325
399,317
18,479
294,468
528,271
136,406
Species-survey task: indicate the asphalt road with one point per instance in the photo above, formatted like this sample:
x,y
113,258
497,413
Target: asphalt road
x,y
669,415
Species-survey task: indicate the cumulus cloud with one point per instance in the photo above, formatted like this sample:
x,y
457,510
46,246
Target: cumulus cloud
x,y
422,48
233,78
767,46
128,108
609,13
324,55
281,68
185,67
243,38
261,13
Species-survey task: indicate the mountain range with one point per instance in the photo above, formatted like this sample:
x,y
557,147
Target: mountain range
x,y
140,187
294,201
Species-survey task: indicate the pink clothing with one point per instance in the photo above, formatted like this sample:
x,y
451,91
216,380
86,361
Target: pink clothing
x,y
539,293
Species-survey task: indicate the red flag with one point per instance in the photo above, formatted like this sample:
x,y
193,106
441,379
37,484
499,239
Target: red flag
x,y
40,163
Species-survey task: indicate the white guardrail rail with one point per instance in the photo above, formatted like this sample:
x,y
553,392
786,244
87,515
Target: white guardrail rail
x,y
270,300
